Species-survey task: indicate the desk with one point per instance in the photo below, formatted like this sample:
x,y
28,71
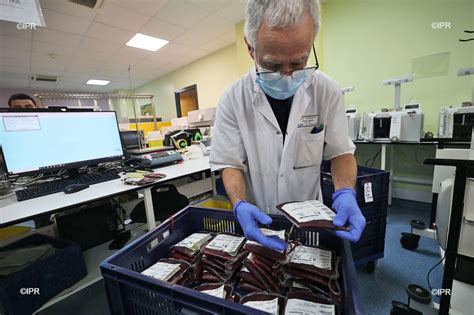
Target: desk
x,y
438,142
12,211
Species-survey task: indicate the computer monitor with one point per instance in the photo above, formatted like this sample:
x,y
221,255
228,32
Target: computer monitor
x,y
40,142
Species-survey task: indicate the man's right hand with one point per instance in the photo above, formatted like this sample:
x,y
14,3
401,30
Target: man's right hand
x,y
249,216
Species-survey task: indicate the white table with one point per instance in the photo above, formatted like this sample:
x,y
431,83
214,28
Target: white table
x,y
12,211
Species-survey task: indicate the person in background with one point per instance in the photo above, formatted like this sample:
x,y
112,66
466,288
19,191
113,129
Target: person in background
x,y
21,100
276,124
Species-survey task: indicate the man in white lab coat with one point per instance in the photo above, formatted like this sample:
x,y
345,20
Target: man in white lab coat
x,y
276,124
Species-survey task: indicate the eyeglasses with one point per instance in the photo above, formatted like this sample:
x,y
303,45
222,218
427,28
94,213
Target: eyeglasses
x,y
296,74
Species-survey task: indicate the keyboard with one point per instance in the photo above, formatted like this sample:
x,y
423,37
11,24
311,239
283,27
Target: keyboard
x,y
55,186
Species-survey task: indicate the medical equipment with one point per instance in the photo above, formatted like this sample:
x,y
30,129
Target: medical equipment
x,y
366,130
446,122
202,117
456,123
353,122
399,126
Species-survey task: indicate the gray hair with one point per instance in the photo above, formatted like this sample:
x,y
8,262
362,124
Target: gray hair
x,y
278,14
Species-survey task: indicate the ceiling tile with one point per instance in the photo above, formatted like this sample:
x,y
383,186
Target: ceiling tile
x,y
21,69
72,87
46,70
119,17
109,33
234,11
112,73
69,8
57,38
214,45
180,13
13,75
39,59
146,7
9,29
96,45
46,48
16,43
208,29
82,68
42,85
100,57
16,53
7,83
13,62
209,5
162,29
133,55
65,23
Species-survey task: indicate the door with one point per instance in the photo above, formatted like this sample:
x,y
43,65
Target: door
x,y
186,100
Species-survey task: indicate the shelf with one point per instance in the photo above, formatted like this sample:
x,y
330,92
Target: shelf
x,y
93,257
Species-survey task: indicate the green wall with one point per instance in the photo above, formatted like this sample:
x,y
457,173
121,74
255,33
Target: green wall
x,y
366,42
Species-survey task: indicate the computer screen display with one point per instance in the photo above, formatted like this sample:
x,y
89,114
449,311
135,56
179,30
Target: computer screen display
x,y
38,142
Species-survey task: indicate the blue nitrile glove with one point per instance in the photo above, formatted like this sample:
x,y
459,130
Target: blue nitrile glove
x,y
249,216
345,203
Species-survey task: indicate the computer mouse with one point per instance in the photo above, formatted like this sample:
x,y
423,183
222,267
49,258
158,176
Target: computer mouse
x,y
75,188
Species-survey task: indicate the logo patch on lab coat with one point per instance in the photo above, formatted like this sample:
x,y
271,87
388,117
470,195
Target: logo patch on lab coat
x,y
308,121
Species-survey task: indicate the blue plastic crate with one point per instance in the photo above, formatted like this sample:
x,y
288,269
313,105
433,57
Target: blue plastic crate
x,y
50,275
368,250
375,227
379,179
130,292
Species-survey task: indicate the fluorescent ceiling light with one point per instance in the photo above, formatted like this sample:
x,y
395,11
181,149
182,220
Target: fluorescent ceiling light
x,y
146,42
97,82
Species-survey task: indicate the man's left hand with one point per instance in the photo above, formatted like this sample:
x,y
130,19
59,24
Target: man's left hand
x,y
345,203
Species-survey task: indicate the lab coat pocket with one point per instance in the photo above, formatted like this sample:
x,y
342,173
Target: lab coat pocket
x,y
309,149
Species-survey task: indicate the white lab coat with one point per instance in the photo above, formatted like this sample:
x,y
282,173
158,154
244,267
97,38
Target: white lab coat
x,y
247,136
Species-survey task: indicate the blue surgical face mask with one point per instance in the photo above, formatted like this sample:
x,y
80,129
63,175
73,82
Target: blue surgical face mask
x,y
282,88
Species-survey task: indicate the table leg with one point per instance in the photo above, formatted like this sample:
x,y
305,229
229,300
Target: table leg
x,y
150,214
390,182
383,156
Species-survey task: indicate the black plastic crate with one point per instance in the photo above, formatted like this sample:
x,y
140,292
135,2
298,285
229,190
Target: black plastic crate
x,y
50,275
375,228
369,250
379,179
129,292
